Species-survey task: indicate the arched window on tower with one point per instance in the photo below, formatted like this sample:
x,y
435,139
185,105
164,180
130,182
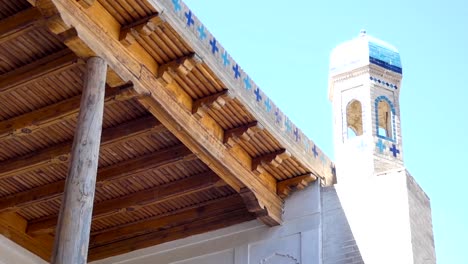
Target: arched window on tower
x,y
354,118
385,118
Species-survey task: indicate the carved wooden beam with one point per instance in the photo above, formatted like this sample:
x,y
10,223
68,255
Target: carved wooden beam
x,y
52,64
285,187
271,159
256,207
135,201
106,175
143,27
181,66
179,224
60,153
244,132
19,23
30,122
70,38
215,101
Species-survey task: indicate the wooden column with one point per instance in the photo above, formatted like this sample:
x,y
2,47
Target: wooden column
x,y
74,224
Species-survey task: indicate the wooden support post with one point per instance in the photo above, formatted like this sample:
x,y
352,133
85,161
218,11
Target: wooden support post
x,y
72,238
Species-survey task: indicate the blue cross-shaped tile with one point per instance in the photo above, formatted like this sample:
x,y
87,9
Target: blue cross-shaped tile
x,y
226,60
278,117
189,17
394,150
297,136
314,151
380,146
323,160
176,4
201,32
236,71
306,145
214,47
247,83
362,145
268,105
287,123
258,96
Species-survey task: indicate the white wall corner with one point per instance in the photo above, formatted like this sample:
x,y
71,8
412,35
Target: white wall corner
x,y
12,253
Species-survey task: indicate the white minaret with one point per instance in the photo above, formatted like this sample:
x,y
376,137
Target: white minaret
x,y
388,213
365,78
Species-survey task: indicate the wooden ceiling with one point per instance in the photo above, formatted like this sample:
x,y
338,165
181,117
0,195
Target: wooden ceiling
x,y
181,152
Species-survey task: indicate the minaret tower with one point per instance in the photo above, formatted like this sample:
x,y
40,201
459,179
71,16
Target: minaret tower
x,y
365,78
386,216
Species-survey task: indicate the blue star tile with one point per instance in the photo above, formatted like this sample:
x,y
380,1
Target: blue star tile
x,y
189,17
201,32
226,60
176,4
214,47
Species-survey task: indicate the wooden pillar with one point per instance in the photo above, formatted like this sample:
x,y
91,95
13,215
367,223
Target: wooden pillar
x,y
74,224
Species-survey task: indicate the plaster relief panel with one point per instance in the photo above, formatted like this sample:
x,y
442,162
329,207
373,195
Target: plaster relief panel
x,y
279,258
286,250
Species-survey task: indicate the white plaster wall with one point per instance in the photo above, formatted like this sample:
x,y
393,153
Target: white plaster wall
x,y
297,240
378,213
11,253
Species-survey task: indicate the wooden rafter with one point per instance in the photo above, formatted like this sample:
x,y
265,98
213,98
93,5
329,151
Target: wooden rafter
x,y
55,63
170,156
60,153
157,230
135,201
21,22
50,115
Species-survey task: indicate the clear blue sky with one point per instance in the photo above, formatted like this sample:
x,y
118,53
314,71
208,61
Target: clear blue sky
x,y
284,46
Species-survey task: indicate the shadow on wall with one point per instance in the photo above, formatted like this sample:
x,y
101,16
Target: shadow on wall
x,y
338,242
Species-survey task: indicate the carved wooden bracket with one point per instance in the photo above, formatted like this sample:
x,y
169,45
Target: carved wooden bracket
x,y
271,159
245,132
142,27
216,101
180,66
284,188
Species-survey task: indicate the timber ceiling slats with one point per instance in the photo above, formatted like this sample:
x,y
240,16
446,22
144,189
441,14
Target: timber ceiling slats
x,y
9,8
23,49
28,92
127,12
137,200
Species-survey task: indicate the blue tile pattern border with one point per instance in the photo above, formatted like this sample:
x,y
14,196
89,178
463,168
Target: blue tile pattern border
x,y
383,83
265,104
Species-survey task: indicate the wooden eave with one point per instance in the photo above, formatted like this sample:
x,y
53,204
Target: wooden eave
x,y
189,143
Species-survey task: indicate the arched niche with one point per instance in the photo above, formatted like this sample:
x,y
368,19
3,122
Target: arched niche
x,y
354,119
